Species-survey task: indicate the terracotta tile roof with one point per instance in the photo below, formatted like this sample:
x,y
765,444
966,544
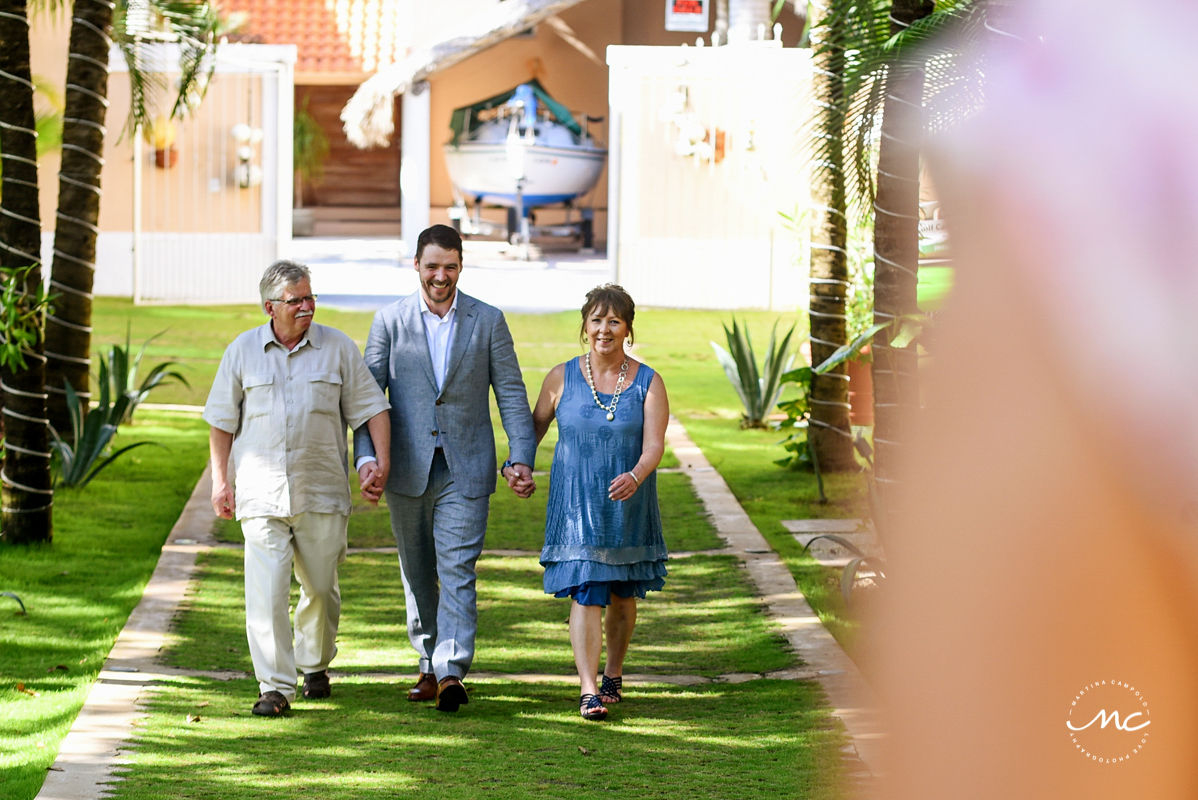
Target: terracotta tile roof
x,y
333,36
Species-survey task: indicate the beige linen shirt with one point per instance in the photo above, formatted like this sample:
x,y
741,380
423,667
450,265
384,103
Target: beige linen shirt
x,y
288,412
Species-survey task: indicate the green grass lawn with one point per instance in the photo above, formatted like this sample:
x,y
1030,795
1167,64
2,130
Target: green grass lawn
x,y
676,343
747,740
514,741
79,590
707,622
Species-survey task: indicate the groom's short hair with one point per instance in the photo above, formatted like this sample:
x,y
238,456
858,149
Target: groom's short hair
x,y
442,236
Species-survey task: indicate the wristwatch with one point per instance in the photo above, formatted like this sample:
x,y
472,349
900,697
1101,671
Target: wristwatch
x,y
506,464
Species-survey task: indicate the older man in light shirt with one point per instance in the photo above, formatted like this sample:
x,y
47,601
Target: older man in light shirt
x,y
282,400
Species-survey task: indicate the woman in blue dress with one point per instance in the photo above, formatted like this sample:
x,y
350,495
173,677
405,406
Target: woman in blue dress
x,y
603,540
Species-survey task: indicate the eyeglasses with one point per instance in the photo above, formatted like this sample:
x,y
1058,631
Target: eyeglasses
x,y
296,302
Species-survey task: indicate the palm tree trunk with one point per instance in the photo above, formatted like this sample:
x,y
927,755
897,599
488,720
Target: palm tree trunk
x,y
830,434
896,255
68,327
26,492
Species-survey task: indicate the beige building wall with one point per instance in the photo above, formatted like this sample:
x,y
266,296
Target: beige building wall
x,y
198,192
48,37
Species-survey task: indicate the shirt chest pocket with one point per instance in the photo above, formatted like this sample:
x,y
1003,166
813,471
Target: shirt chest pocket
x,y
259,395
323,393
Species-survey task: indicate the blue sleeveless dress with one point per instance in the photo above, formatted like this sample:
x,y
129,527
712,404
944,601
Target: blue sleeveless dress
x,y
594,545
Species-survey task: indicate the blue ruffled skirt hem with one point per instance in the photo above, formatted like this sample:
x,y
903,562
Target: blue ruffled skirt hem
x,y
592,583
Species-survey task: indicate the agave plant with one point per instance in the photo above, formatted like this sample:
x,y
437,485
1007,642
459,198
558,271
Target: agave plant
x,y
21,603
758,390
120,392
79,460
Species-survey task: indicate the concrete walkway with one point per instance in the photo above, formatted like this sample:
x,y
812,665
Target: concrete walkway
x,y
105,725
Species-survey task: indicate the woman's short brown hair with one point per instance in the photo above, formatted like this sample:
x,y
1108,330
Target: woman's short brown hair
x,y
608,298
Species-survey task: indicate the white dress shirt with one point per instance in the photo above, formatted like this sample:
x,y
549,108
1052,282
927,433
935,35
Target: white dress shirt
x,y
438,332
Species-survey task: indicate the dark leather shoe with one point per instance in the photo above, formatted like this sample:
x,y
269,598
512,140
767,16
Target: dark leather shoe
x,y
451,694
425,688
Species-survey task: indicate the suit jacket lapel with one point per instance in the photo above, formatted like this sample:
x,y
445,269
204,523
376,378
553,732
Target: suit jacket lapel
x,y
461,336
413,326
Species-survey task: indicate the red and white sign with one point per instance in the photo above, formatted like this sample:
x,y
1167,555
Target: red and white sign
x,y
687,15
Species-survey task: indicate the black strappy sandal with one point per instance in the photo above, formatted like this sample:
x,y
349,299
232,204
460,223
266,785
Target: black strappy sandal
x,y
271,704
611,690
591,707
316,685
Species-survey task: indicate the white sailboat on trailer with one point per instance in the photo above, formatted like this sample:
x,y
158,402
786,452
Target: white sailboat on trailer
x,y
521,150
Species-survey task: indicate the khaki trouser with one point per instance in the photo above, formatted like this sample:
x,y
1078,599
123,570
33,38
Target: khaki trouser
x,y
316,543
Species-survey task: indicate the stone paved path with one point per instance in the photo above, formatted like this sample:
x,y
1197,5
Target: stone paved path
x,y
105,724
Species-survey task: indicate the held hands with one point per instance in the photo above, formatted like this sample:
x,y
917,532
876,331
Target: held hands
x,y
623,487
519,480
373,478
223,501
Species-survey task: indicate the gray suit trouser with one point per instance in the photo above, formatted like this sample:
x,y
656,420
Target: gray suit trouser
x,y
440,537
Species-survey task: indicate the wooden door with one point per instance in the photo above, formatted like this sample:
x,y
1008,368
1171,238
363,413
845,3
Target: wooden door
x,y
352,177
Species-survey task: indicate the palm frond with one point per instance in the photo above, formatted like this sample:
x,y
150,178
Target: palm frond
x,y
140,30
942,44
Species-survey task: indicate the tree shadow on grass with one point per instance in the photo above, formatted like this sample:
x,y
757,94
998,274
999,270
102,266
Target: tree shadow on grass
x,y
705,622
763,738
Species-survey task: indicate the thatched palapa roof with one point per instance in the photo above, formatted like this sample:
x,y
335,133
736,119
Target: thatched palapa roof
x,y
367,117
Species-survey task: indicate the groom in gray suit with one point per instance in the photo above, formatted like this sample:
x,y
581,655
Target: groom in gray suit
x,y
437,353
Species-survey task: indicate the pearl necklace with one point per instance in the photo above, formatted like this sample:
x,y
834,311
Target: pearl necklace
x,y
615,398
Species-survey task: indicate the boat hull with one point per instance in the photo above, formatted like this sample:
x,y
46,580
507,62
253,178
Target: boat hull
x,y
483,172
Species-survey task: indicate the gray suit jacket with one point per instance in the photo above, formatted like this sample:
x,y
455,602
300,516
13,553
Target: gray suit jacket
x,y
481,357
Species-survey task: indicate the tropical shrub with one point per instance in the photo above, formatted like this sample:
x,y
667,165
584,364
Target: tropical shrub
x,y
21,317
309,149
81,457
798,408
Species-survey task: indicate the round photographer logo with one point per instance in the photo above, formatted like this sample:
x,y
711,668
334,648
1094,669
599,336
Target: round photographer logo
x,y
1109,721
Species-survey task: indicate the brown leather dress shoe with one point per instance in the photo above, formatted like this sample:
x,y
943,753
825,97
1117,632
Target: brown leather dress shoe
x,y
451,694
425,688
